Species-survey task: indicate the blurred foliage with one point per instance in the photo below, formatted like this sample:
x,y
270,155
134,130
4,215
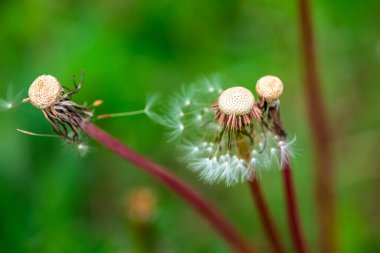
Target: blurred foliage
x,y
53,200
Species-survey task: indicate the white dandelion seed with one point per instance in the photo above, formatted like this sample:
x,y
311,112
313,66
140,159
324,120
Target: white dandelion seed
x,y
11,100
83,149
5,105
286,151
186,111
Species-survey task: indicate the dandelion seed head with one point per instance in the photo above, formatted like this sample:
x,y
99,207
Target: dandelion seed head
x,y
269,87
236,100
45,91
221,137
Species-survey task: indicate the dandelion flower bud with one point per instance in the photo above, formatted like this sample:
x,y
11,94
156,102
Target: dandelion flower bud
x,y
141,205
236,100
269,88
45,91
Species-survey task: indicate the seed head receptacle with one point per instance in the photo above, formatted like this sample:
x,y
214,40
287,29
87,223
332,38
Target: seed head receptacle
x,y
236,108
45,91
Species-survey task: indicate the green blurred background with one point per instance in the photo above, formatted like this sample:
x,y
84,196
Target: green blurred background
x,y
54,200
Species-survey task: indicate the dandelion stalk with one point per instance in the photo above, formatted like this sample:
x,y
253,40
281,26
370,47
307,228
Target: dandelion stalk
x,y
260,203
265,217
321,134
293,216
223,227
290,195
122,114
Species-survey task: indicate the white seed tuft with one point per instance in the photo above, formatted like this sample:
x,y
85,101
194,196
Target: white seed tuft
x,y
236,100
44,91
269,87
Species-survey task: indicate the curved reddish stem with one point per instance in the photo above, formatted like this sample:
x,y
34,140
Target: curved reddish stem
x,y
292,211
265,217
194,199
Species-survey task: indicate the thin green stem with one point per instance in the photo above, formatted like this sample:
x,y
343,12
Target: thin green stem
x,y
35,134
122,114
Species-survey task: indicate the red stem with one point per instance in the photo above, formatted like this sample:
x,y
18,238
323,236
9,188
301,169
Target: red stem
x,y
292,211
194,199
265,217
321,134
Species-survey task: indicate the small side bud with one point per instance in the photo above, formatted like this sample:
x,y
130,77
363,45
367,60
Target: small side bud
x,y
269,88
97,103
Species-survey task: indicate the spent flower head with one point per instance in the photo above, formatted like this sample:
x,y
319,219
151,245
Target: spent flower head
x,y
45,91
47,94
224,134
